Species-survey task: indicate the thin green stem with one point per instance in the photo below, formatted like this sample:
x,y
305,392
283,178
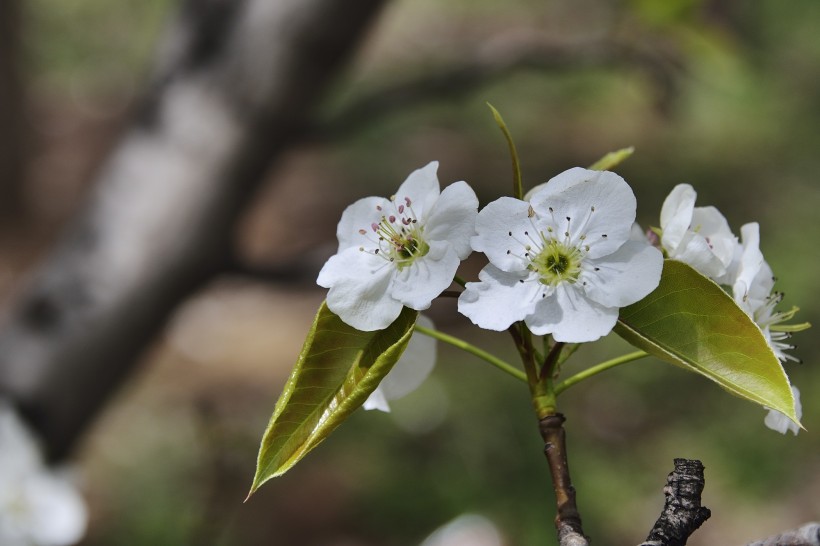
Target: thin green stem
x,y
473,350
459,281
598,368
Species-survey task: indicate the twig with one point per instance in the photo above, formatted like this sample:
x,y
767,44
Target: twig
x,y
808,535
682,513
567,519
504,56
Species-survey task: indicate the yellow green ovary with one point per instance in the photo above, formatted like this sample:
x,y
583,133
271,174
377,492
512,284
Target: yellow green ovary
x,y
556,263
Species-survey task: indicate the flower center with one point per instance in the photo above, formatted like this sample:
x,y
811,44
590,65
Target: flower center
x,y
556,262
400,236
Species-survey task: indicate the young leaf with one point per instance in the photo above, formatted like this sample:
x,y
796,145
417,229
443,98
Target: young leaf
x,y
337,370
691,322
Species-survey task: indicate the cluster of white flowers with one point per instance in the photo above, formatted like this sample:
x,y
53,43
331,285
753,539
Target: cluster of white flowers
x,y
701,237
564,260
38,506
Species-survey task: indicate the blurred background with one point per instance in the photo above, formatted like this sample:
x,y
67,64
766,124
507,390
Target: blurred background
x,y
721,94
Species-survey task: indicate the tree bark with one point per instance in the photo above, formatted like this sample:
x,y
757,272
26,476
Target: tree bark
x,y
682,512
13,133
235,83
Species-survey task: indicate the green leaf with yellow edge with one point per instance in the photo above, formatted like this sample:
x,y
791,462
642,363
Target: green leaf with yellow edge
x,y
691,322
338,368
612,159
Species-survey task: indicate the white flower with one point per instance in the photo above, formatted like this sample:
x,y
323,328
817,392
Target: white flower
x,y
778,421
399,251
752,283
409,372
563,262
38,507
698,236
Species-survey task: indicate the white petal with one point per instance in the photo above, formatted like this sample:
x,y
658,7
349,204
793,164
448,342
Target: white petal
x,y
600,206
377,401
747,263
422,188
676,215
710,224
413,367
361,215
583,319
452,218
494,224
778,421
428,276
545,316
58,514
623,277
694,250
359,283
499,299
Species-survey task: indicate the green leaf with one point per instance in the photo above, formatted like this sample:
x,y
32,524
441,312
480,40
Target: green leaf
x,y
691,322
337,370
612,159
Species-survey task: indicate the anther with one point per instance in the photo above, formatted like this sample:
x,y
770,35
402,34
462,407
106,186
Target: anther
x,y
551,209
401,209
407,201
362,232
603,235
374,226
508,252
592,208
597,269
392,218
521,281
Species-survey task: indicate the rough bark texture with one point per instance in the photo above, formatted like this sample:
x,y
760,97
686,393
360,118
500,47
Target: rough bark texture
x,y
567,519
682,512
234,84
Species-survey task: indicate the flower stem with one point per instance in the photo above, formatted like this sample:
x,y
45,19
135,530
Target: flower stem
x,y
598,368
473,350
459,281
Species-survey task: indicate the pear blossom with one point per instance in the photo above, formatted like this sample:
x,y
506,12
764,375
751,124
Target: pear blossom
x,y
412,368
564,262
38,506
778,421
698,236
752,282
401,251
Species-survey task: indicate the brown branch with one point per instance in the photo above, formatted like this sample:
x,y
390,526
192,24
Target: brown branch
x,y
234,85
498,59
567,518
682,512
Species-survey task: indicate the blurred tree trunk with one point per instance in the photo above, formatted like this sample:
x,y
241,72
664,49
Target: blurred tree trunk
x,y
235,83
12,112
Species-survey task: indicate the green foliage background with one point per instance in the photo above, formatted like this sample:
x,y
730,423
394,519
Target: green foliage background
x,y
740,121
